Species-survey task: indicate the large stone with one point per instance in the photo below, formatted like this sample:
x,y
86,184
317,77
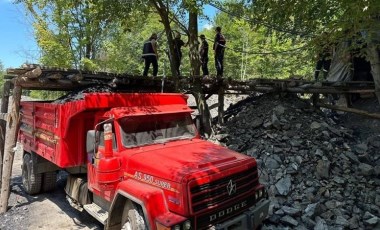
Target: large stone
x,y
276,122
340,220
308,222
320,224
368,215
339,180
279,110
332,204
315,125
361,148
255,123
271,163
372,221
354,222
289,220
312,210
323,169
283,186
352,157
319,152
291,211
366,169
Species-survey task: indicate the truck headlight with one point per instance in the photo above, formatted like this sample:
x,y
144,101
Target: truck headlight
x,y
187,225
260,193
177,227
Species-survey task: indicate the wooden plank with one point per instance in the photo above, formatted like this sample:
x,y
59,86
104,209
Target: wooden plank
x,y
3,122
54,76
35,73
75,77
350,110
221,104
10,143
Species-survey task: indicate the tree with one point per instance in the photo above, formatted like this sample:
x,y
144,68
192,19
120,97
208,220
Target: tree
x,y
71,33
252,52
339,19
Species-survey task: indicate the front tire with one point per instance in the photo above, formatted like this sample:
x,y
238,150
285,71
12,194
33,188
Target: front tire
x,y
30,179
133,218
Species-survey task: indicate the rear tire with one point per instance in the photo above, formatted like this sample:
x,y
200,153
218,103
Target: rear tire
x,y
30,179
133,218
49,181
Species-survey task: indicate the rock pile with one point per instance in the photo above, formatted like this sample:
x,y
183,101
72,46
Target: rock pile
x,y
318,174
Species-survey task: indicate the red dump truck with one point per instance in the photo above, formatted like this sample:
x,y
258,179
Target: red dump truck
x,y
136,161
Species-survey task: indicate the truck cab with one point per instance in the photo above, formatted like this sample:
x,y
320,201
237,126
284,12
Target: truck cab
x,y
145,166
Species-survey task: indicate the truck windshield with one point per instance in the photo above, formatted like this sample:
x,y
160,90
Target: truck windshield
x,y
150,129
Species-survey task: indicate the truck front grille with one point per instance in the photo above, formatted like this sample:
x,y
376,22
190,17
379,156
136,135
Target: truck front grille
x,y
215,194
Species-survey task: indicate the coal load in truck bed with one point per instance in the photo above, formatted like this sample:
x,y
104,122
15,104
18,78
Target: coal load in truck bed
x,y
79,95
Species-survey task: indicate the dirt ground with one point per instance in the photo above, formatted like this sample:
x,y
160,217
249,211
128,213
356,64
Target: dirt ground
x,y
44,211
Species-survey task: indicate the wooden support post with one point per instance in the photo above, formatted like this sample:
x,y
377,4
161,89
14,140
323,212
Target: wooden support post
x,y
315,99
203,109
3,122
9,148
221,103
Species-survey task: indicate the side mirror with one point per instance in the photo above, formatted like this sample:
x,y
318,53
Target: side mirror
x,y
92,141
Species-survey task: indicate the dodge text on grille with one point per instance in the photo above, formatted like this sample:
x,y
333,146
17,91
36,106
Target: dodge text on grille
x,y
228,211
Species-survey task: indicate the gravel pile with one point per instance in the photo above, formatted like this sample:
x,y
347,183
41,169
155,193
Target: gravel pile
x,y
319,175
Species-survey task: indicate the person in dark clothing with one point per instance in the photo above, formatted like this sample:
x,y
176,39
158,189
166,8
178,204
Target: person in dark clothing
x,y
178,43
203,53
219,46
324,58
323,64
150,55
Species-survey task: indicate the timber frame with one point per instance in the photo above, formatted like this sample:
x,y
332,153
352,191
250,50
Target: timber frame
x,y
35,77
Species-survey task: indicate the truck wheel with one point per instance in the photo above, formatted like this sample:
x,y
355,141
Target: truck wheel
x,y
133,218
49,181
30,180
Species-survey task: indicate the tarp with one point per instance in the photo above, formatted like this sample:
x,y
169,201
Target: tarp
x,y
341,65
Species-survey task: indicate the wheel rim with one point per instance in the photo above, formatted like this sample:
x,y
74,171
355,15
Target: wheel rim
x,y
128,226
25,175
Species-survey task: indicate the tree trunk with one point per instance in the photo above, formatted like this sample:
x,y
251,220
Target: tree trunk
x,y
10,144
163,11
195,70
194,44
4,109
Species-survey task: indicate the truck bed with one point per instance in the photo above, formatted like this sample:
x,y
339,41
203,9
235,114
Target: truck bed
x,y
57,132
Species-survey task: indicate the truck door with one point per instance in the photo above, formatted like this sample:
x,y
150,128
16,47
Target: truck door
x,y
94,173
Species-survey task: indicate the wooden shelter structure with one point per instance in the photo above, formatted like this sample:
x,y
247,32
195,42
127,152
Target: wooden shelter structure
x,y
35,77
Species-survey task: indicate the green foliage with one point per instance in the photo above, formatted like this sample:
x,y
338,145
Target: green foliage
x,y
71,33
262,36
252,52
121,53
319,22
45,95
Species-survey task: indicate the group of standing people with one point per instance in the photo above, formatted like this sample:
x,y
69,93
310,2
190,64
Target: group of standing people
x,y
150,54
